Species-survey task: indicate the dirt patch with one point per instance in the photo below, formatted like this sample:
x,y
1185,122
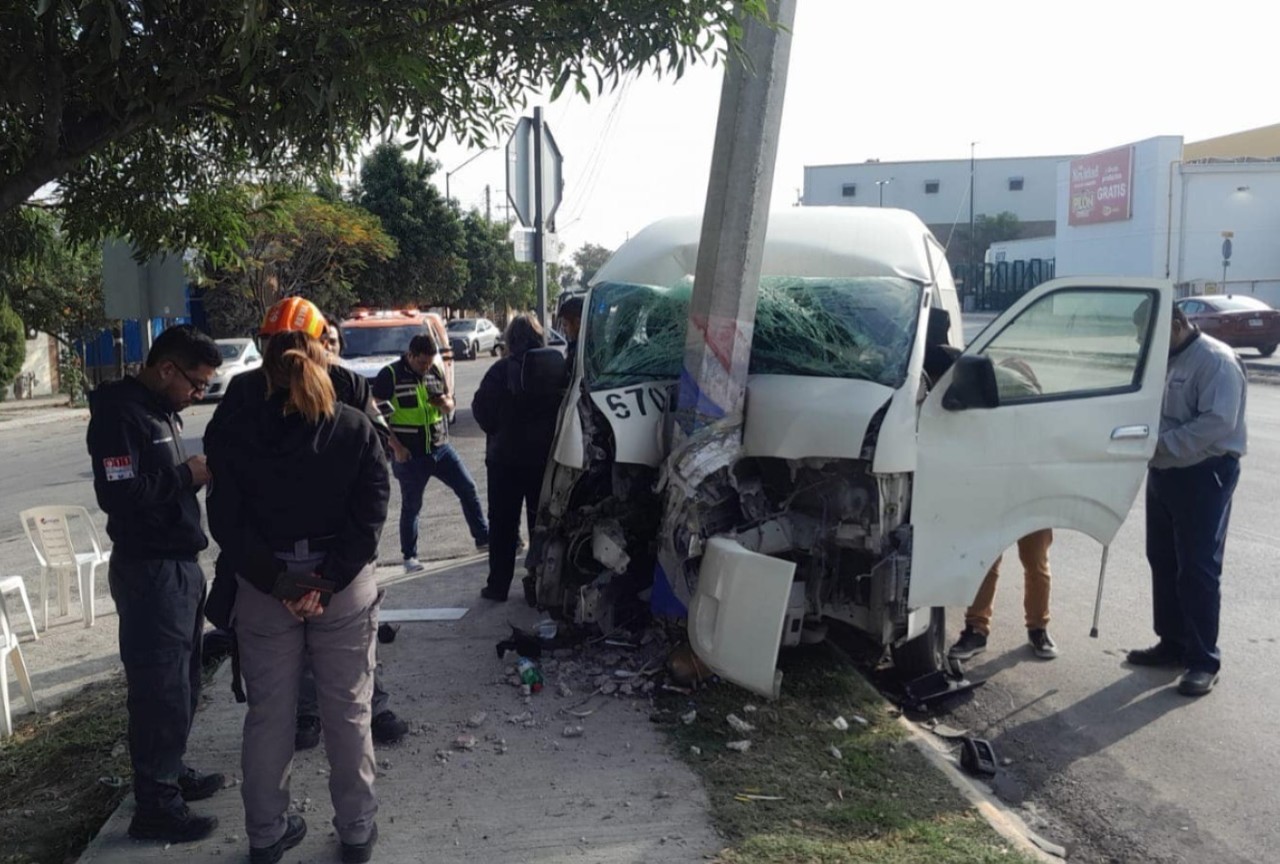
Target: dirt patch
x,y
62,774
811,788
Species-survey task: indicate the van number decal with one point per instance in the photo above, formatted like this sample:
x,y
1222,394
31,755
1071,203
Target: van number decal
x,y
641,399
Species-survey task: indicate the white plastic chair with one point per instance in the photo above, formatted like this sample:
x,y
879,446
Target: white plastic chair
x,y
9,651
15,584
49,530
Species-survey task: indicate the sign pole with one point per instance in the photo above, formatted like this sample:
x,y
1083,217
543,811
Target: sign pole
x,y
539,263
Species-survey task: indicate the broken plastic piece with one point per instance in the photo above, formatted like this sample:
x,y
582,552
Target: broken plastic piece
x,y
841,724
739,725
739,746
978,757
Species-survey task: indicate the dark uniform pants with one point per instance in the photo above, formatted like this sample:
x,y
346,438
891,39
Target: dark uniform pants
x,y
161,609
1188,510
511,488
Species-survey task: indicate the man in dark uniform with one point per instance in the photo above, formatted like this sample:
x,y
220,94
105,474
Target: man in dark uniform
x,y
250,389
146,483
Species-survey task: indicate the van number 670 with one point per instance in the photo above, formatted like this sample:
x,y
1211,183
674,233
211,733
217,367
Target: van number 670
x,y
641,399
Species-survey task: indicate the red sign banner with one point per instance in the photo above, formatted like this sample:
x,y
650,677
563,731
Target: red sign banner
x,y
1101,187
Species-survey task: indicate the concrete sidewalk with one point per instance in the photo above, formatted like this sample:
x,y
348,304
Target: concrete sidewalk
x,y
17,413
615,795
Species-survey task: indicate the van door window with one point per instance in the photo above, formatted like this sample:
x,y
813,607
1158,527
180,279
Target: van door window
x,y
1074,343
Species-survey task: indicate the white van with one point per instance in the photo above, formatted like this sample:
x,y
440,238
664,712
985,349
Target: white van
x,y
859,490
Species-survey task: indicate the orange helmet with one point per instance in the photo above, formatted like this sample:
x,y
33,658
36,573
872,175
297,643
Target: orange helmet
x,y
294,314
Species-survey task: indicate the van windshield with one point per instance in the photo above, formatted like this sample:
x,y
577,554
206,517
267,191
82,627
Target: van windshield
x,y
819,327
372,341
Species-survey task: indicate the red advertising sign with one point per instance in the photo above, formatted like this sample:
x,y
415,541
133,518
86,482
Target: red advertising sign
x,y
1101,187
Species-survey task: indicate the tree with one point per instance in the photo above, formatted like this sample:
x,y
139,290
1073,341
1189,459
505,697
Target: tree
x,y
300,245
13,346
986,230
491,269
431,267
137,106
588,259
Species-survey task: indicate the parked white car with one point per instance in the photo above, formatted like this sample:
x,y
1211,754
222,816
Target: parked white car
x,y
238,355
470,336
859,490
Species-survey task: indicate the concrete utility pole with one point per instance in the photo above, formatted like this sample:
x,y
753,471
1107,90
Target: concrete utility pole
x,y
727,279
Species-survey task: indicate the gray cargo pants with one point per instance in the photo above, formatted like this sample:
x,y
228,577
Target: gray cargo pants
x,y
340,646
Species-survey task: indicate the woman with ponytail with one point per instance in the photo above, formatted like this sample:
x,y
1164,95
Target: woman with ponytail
x,y
301,500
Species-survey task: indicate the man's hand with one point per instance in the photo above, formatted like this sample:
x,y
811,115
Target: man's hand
x,y
444,402
199,470
308,606
399,451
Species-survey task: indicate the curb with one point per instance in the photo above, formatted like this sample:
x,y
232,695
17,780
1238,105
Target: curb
x,y
41,417
1006,823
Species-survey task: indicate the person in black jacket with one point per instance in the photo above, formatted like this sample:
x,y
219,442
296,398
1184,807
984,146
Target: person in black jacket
x,y
146,484
301,499
518,416
249,388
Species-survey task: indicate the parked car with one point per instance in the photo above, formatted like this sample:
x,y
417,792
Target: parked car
x,y
555,339
469,336
1241,322
856,489
238,355
373,339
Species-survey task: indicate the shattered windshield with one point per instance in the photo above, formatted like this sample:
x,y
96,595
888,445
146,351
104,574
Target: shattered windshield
x,y
819,327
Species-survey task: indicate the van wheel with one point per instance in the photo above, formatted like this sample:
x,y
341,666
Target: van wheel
x,y
1267,350
925,654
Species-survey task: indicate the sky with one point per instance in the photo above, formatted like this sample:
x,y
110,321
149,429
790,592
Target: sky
x,y
909,80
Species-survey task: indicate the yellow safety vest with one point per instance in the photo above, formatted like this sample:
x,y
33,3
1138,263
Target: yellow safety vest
x,y
414,415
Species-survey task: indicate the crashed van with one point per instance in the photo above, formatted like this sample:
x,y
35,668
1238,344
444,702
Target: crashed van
x,y
858,488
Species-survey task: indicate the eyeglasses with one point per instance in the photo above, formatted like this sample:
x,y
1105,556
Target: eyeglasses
x,y
197,387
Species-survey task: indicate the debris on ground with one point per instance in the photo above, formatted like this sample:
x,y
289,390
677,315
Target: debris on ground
x,y
835,752
695,749
688,717
748,797
978,757
465,742
737,724
841,724
573,731
476,720
739,746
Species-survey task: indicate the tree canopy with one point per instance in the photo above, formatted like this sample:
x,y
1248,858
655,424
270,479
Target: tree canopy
x,y
138,108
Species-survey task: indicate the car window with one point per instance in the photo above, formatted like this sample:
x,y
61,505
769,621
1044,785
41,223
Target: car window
x,y
1192,307
1238,304
819,327
230,352
461,325
1073,343
371,341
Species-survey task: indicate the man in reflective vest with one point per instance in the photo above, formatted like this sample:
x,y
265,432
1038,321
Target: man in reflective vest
x,y
414,391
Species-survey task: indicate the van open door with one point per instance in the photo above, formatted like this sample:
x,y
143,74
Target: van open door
x,y
1046,421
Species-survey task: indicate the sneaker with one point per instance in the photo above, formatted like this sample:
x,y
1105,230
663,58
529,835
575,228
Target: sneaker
x,y
970,644
493,594
197,787
307,733
412,565
1042,643
359,853
172,826
294,830
1195,683
1161,654
388,728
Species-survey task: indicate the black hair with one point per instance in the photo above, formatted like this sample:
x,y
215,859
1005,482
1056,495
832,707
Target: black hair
x,y
423,344
572,308
185,346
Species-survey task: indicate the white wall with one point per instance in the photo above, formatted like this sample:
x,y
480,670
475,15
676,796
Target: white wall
x,y
37,362
823,184
1138,246
1242,197
1021,250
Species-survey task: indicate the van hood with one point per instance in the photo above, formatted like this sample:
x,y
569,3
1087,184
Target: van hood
x,y
368,366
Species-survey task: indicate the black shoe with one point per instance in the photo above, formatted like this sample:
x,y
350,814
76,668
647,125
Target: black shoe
x,y
1195,683
359,853
307,733
970,644
1161,654
197,787
175,826
1042,643
388,728
493,594
294,830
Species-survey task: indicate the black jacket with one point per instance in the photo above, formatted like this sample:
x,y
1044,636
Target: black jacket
x,y
139,475
519,422
280,479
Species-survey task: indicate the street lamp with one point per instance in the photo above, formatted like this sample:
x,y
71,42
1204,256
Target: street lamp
x,y
449,174
880,184
972,172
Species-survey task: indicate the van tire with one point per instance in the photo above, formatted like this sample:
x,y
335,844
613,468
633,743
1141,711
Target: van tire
x,y
925,654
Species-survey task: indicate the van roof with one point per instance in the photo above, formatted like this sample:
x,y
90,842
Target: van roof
x,y
846,242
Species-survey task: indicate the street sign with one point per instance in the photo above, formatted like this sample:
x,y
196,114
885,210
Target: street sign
x,y
156,289
521,177
1226,249
522,245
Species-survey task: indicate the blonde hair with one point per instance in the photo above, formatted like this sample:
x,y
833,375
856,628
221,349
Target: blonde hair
x,y
299,365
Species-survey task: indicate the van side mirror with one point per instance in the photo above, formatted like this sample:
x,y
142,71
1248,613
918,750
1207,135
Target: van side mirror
x,y
973,384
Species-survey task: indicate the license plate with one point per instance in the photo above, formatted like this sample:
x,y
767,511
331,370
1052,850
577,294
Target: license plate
x,y
1255,322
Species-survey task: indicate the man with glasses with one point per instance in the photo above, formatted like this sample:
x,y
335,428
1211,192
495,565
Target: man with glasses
x,y
146,484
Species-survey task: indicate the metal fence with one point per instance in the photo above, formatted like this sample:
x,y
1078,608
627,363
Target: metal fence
x,y
995,287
